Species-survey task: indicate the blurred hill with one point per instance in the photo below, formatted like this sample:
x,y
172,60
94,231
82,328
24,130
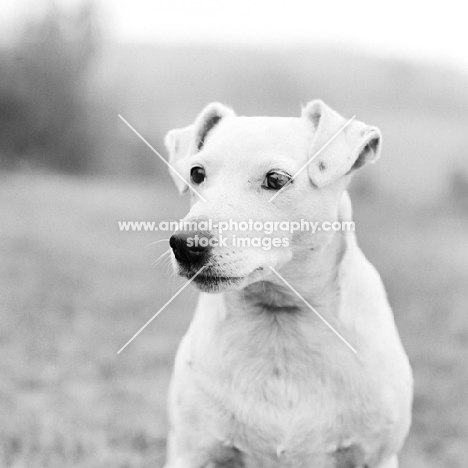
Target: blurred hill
x,y
421,109
62,89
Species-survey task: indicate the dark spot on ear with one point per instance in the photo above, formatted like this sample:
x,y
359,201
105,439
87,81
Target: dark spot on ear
x,y
321,166
176,146
210,122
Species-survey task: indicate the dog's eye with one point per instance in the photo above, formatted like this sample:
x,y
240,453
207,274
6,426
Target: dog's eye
x,y
197,175
276,180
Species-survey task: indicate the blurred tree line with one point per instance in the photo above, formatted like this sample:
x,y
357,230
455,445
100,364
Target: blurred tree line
x,y
43,108
62,87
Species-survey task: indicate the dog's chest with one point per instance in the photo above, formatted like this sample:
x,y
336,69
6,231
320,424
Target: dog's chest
x,y
280,394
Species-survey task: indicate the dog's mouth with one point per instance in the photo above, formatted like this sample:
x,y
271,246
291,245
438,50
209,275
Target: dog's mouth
x,y
211,282
208,279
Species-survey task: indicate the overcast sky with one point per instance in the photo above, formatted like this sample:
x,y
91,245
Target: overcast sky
x,y
434,31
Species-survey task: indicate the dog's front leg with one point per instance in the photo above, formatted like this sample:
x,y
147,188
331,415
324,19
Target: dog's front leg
x,y
178,459
190,445
180,462
215,456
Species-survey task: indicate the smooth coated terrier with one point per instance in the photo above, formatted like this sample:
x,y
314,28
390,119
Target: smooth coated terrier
x,y
260,381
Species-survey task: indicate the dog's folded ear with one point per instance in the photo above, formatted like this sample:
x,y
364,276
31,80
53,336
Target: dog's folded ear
x,y
207,120
336,154
181,143
178,143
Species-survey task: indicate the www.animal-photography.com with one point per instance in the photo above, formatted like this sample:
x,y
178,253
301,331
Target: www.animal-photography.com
x,y
233,234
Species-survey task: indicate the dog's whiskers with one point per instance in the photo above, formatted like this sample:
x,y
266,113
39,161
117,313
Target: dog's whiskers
x,y
167,252
167,265
156,242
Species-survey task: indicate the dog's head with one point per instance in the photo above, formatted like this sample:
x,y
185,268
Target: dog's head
x,y
268,170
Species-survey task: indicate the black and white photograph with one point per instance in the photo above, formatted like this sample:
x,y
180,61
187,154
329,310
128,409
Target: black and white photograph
x,y
233,234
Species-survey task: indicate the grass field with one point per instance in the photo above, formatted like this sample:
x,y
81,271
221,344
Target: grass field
x,y
74,289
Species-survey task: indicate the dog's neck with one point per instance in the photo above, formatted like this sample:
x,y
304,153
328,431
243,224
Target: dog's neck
x,y
312,274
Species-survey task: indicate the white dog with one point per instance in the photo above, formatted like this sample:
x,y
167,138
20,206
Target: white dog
x,y
260,381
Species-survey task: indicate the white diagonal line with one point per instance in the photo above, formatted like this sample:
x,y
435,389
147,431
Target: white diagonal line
x,y
312,309
160,157
161,309
312,158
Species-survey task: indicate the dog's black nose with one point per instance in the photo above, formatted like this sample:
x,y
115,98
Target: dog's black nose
x,y
191,248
